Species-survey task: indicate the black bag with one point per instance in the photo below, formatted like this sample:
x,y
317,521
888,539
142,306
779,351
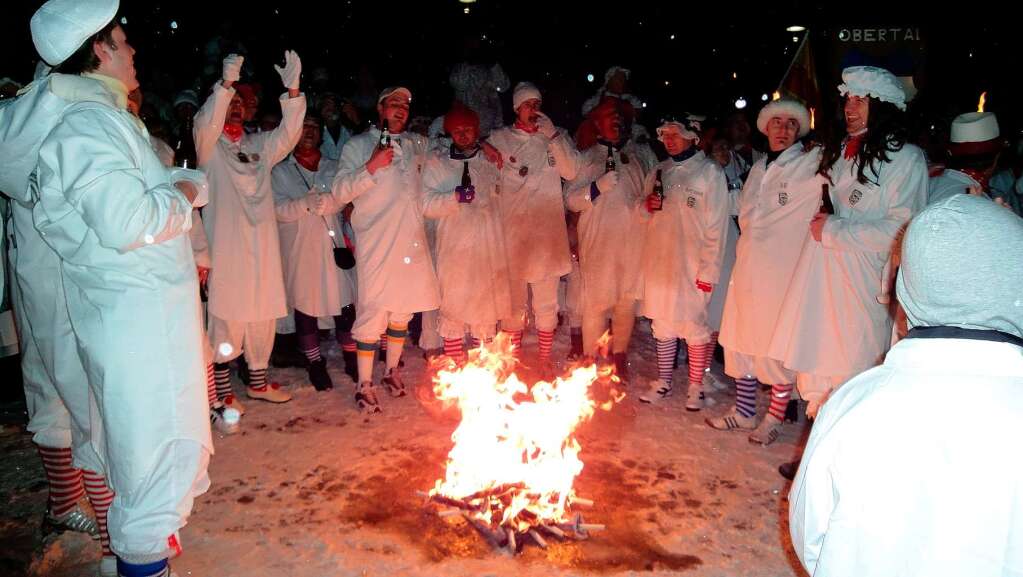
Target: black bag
x,y
343,257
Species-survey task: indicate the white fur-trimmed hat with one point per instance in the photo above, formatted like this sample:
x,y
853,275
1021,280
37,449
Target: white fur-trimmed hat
x,y
681,128
394,90
975,133
785,108
524,91
873,81
60,27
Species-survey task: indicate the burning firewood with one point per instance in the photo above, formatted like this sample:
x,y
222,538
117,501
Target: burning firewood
x,y
515,454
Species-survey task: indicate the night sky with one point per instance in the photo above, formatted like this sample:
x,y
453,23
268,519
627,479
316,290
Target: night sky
x,y
683,58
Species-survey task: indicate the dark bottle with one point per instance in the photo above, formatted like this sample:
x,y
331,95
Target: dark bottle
x,y
184,152
609,164
826,206
466,179
659,189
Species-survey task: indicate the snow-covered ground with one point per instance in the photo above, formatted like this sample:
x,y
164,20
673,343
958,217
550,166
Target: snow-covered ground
x,y
312,488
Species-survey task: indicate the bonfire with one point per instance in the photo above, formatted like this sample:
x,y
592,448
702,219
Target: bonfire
x,y
515,457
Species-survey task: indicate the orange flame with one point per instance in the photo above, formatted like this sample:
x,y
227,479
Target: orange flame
x,y
776,95
812,120
980,103
513,439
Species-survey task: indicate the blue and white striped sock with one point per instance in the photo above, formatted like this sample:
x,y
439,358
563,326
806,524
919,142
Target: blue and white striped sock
x,y
666,359
746,396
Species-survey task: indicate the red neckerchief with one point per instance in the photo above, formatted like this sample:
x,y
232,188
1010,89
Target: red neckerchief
x,y
524,128
348,242
852,145
981,178
233,131
309,159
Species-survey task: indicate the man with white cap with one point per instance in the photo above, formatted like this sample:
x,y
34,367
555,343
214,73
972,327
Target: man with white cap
x,y
608,193
246,284
777,203
894,479
832,324
380,172
538,155
109,209
687,213
973,150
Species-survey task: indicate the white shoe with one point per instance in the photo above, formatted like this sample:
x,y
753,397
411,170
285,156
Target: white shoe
x,y
694,398
225,420
108,567
272,393
711,380
658,391
232,402
76,519
732,420
767,432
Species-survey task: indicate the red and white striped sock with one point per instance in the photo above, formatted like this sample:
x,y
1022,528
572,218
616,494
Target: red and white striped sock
x,y
211,386
101,497
453,348
780,396
545,341
383,345
348,346
516,339
65,480
697,364
476,343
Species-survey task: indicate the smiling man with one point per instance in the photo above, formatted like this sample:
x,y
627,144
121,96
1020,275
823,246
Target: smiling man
x,y
381,175
108,208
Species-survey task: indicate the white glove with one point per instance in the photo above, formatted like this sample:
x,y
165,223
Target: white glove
x,y
545,126
197,178
607,182
233,67
292,70
396,145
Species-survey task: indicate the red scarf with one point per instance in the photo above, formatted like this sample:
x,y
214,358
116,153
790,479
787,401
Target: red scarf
x,y
233,132
524,128
852,145
981,178
309,159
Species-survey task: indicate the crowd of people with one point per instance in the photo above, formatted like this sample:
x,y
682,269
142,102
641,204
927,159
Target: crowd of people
x,y
155,252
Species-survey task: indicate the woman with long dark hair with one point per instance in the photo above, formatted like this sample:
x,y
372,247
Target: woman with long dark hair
x,y
833,325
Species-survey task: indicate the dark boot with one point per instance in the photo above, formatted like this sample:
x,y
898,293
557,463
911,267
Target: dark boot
x,y
792,411
576,350
319,377
788,470
285,352
243,369
351,365
622,367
